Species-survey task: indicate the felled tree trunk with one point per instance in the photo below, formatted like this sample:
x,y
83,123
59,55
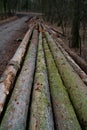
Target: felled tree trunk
x,y
77,59
64,114
16,113
80,72
76,88
76,67
8,77
41,113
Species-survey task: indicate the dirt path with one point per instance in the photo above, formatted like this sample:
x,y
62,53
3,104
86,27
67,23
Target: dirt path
x,y
9,32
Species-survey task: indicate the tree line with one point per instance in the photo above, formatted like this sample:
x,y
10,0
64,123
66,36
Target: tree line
x,y
9,7
62,12
66,12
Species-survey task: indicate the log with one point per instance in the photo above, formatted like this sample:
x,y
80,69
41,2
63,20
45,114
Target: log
x,y
16,114
64,115
17,58
41,113
76,67
60,33
8,77
54,31
8,20
76,58
76,88
80,72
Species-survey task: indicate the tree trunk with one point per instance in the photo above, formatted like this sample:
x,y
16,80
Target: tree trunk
x,y
4,6
75,24
16,113
80,72
64,114
77,59
84,31
64,49
41,113
8,77
76,88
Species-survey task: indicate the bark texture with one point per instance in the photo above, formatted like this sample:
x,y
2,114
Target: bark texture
x,y
80,72
65,117
41,112
8,77
16,114
77,59
76,88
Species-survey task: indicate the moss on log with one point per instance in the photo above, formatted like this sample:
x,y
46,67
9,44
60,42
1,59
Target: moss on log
x,y
65,117
41,113
77,59
80,72
16,114
76,88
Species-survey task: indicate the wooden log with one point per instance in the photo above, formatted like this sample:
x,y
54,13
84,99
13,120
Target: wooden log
x,y
8,20
76,88
76,67
77,59
54,31
64,115
41,113
81,73
16,113
17,58
60,33
8,77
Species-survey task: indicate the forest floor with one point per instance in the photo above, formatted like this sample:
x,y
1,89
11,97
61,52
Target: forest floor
x,y
9,33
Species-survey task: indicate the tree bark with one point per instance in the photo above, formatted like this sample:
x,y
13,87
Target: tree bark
x,y
41,112
77,59
8,77
76,88
80,72
64,115
75,24
16,113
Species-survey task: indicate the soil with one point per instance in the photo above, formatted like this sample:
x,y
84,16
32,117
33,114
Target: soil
x,y
9,33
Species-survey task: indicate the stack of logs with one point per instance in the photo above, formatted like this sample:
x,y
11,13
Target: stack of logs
x,y
42,87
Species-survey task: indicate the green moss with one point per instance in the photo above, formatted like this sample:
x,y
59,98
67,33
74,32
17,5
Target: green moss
x,y
76,88
63,111
41,98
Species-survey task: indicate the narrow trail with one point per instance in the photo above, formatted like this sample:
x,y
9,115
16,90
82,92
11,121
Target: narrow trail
x,y
40,87
9,33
